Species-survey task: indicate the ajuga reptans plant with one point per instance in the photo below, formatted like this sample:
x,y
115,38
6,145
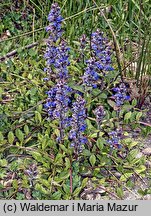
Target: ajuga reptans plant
x,y
100,61
78,125
120,96
56,54
71,112
57,64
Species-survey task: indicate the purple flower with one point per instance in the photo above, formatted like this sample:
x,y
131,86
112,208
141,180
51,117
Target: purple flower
x,y
120,94
32,173
57,105
99,113
55,20
101,50
51,102
90,76
100,62
62,61
61,100
56,55
78,125
83,41
115,138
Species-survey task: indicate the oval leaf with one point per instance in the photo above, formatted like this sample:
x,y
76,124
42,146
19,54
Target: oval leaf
x,y
92,159
11,137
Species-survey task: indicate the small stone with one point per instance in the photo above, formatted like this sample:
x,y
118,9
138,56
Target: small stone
x,y
147,151
117,174
139,155
89,197
148,164
100,190
98,197
147,197
28,195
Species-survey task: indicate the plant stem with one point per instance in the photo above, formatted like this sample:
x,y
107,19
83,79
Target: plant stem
x,y
116,45
71,182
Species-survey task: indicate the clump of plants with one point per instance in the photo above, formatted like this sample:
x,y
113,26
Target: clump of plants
x,y
86,135
81,141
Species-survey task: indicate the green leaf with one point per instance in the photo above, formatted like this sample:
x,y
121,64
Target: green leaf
x,y
132,154
84,182
77,191
138,116
20,196
38,117
15,184
58,157
127,107
103,95
132,144
86,152
1,136
38,157
56,196
89,124
45,142
96,172
11,137
19,134
3,163
120,168
64,175
126,176
95,135
140,169
66,189
40,137
127,115
32,52
26,129
79,88
19,50
56,183
39,108
45,183
63,148
67,163
40,188
92,159
30,76
114,114
120,192
111,103
100,143
57,132
134,102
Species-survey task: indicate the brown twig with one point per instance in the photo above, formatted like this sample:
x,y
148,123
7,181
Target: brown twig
x,y
5,189
14,52
137,174
71,183
109,192
121,183
144,123
116,45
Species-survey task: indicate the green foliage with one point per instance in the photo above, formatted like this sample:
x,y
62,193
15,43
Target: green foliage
x,y
32,164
